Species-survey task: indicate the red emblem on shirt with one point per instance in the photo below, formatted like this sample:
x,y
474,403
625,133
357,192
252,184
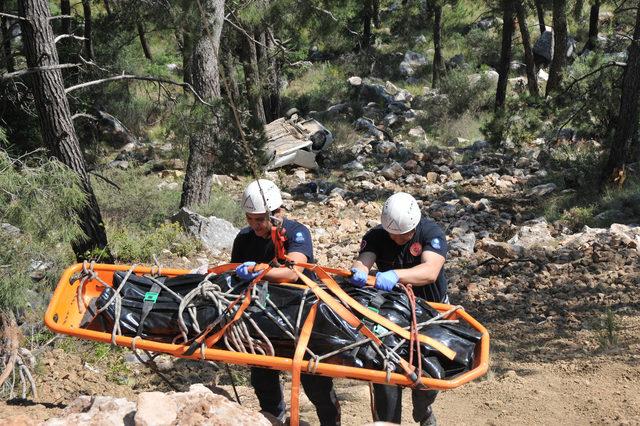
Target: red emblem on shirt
x,y
415,249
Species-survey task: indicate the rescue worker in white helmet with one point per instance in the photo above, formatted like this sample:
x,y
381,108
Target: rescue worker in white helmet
x,y
253,245
409,249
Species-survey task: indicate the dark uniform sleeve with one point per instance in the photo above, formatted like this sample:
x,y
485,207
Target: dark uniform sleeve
x,y
434,240
236,255
299,239
370,242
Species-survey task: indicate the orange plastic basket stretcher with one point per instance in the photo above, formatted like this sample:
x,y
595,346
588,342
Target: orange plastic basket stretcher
x,y
64,316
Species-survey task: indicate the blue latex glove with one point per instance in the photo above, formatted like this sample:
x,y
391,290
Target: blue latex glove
x,y
358,278
243,271
386,280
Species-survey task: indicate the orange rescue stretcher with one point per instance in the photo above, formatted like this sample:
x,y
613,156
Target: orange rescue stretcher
x,y
81,283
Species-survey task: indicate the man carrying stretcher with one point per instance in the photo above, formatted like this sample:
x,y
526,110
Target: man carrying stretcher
x,y
408,249
252,245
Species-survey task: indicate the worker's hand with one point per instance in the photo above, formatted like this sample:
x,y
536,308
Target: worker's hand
x,y
386,280
243,271
358,278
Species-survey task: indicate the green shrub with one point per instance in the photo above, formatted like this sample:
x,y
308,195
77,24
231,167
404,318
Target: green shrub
x,y
481,45
464,96
129,246
625,200
222,205
39,199
317,88
590,106
139,204
521,122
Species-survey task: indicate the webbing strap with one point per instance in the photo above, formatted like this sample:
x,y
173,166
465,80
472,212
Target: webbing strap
x,y
149,301
348,316
301,347
377,318
338,308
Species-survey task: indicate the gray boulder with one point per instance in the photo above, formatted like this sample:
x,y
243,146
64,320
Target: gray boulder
x,y
216,234
463,242
393,171
543,46
542,190
534,233
367,125
412,62
9,230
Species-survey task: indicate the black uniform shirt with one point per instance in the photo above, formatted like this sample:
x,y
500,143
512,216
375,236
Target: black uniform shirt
x,y
389,255
248,247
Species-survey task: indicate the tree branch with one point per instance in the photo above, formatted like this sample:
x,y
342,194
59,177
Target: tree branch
x,y
332,16
589,74
63,36
243,31
84,115
109,181
8,15
36,69
137,77
51,18
11,343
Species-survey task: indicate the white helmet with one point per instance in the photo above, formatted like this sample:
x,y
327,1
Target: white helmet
x,y
400,213
252,201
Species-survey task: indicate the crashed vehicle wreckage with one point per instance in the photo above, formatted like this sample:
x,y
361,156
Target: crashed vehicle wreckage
x,y
316,327
293,140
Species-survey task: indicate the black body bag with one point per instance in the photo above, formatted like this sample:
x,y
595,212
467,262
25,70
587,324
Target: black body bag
x,y
143,299
270,303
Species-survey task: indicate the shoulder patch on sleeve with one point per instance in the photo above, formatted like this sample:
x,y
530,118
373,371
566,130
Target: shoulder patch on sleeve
x,y
436,243
299,238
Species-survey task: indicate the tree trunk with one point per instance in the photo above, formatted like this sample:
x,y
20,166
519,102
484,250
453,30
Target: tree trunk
x,y
626,130
540,13
271,73
54,116
205,77
107,7
88,23
438,60
532,80
577,10
594,12
559,61
143,40
367,15
249,58
65,9
185,45
229,68
376,13
505,54
9,60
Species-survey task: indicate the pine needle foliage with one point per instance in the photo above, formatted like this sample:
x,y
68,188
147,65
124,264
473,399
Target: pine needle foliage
x,y
37,202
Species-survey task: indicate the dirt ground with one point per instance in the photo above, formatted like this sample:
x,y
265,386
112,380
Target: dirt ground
x,y
573,381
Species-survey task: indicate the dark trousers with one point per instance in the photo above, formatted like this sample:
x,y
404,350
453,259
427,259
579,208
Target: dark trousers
x,y
388,400
319,390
